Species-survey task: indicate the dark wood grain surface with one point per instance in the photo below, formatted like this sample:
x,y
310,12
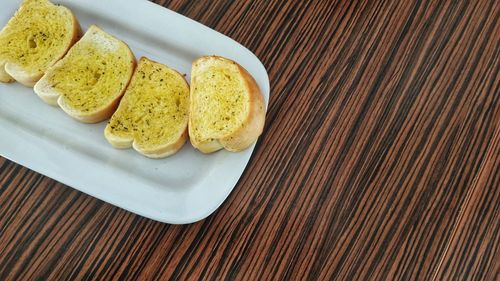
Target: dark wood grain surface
x,y
380,159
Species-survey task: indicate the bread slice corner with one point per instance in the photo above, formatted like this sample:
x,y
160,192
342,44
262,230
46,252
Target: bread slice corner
x,y
227,107
153,114
37,36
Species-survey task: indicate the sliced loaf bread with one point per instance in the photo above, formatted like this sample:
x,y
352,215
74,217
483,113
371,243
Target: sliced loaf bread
x,y
153,114
35,38
90,80
227,108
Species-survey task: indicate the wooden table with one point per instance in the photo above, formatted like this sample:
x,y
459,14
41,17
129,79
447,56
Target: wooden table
x,y
380,159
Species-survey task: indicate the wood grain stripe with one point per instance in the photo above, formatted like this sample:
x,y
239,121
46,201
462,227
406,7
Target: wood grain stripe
x,y
474,250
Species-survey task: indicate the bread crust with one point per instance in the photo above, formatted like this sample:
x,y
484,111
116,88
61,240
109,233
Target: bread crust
x,y
4,76
250,129
160,151
10,72
254,125
52,97
165,150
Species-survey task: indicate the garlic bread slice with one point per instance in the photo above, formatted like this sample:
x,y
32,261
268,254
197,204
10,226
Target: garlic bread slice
x,y
153,114
90,80
37,36
227,108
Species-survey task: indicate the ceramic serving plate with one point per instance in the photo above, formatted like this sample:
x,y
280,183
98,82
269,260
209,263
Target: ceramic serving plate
x,y
183,188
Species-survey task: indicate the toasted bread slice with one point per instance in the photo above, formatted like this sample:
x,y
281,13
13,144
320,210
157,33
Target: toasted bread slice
x,y
90,80
153,114
227,108
36,37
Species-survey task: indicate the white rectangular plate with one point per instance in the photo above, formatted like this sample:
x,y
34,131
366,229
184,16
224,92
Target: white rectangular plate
x,y
183,188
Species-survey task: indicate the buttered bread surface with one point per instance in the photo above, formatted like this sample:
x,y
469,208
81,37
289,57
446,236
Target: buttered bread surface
x,y
89,81
153,113
227,107
36,37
